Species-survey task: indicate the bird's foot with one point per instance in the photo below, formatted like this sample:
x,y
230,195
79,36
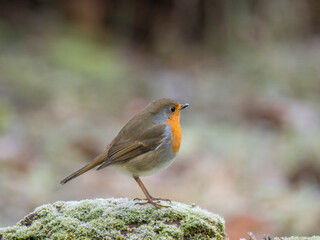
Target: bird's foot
x,y
154,201
161,199
155,204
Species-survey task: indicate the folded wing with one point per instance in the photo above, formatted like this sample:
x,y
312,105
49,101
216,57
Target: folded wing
x,y
122,150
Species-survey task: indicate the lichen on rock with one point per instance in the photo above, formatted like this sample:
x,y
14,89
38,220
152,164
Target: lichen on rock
x,y
116,219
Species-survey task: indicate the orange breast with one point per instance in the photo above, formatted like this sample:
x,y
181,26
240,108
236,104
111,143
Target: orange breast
x,y
174,122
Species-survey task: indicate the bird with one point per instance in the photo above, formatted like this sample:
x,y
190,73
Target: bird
x,y
147,143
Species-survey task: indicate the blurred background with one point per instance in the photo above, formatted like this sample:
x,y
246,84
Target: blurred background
x,y
72,73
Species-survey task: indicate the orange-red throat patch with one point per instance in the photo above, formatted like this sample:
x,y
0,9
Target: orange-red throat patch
x,y
174,122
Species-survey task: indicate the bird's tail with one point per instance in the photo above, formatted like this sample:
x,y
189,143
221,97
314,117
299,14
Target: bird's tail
x,y
95,162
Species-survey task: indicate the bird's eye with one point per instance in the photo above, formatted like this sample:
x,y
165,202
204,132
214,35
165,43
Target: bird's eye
x,y
172,109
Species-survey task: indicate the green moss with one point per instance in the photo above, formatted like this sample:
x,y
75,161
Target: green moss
x,y
116,219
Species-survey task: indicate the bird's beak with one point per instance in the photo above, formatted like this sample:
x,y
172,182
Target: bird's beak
x,y
183,106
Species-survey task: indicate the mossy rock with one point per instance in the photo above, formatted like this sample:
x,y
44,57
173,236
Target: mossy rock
x,y
116,219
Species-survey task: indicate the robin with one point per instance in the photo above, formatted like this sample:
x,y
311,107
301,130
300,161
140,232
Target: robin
x,y
147,144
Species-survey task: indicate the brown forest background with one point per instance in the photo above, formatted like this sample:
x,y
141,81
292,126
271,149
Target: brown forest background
x,y
73,72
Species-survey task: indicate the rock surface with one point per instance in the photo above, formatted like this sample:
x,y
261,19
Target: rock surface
x,y
116,219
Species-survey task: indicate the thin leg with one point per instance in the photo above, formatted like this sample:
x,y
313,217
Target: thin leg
x,y
149,197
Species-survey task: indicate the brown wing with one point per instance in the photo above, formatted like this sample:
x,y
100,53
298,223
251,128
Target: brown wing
x,y
125,149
